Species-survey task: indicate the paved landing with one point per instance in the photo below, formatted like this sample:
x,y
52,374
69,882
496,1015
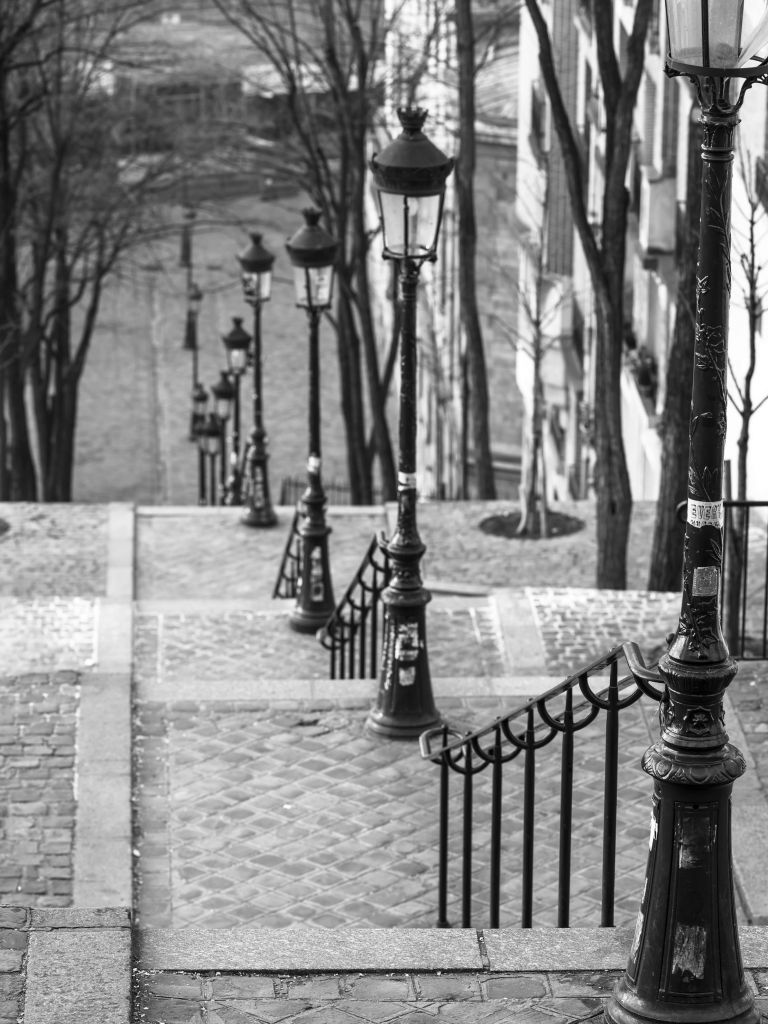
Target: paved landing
x,y
275,814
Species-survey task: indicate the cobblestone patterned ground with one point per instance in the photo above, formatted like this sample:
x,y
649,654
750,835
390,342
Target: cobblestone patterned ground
x,y
47,634
209,645
14,922
344,998
271,816
576,630
38,718
53,550
459,551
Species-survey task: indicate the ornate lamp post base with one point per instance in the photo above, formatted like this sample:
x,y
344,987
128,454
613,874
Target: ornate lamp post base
x,y
314,597
260,512
404,705
684,965
314,600
259,517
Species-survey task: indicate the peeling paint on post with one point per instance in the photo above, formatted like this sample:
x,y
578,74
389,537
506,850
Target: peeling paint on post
x,y
689,953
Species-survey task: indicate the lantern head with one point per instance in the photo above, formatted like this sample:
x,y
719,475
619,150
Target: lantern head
x,y
312,251
410,176
718,37
256,271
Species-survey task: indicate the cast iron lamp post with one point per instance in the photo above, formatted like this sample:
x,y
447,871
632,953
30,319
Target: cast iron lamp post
x,y
223,392
256,267
237,344
209,442
194,301
410,176
312,252
685,962
199,406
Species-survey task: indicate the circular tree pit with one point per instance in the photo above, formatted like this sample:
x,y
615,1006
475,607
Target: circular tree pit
x,y
506,524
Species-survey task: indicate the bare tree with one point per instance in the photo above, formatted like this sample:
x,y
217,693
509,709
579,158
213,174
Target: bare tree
x,y
604,255
740,391
326,56
71,208
666,566
479,399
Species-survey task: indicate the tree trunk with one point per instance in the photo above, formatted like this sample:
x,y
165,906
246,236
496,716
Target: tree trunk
x,y
614,496
358,463
465,172
669,532
377,388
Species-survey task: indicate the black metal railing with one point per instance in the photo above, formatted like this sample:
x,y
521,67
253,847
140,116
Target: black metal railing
x,y
745,570
287,582
515,739
353,633
336,492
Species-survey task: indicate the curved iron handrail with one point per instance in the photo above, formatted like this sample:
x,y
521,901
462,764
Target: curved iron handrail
x,y
346,635
286,584
525,730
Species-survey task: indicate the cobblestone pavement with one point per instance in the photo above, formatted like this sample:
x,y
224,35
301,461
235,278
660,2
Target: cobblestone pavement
x,y
281,812
272,816
241,644
343,998
577,629
38,721
13,949
53,550
207,636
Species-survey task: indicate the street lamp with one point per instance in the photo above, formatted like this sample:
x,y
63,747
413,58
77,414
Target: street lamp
x,y
194,301
223,392
685,963
237,343
209,443
199,406
312,252
410,176
256,267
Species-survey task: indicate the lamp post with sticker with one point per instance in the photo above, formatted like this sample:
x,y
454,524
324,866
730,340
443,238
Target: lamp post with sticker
x,y
685,961
312,252
410,176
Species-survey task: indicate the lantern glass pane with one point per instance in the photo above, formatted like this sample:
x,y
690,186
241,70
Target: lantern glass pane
x,y
314,286
222,408
410,224
724,33
237,359
257,286
684,19
210,441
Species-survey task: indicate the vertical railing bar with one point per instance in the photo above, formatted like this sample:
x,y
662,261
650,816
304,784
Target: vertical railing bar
x,y
610,800
466,857
373,661
354,628
529,797
442,855
363,644
566,816
495,880
744,578
765,595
